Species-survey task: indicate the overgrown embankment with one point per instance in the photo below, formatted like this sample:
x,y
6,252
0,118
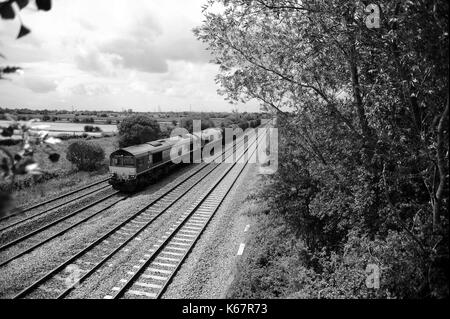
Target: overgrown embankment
x,y
319,233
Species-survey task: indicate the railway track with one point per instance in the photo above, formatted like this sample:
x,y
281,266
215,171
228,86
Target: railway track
x,y
26,209
38,242
64,203
118,237
162,262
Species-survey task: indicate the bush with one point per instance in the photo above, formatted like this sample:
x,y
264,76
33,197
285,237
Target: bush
x,y
86,156
66,137
10,142
90,128
138,129
243,125
187,123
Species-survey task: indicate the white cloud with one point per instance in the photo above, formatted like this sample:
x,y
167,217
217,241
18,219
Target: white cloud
x,y
40,85
111,54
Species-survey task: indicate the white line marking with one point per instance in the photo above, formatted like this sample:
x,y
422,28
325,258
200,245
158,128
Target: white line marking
x,y
186,235
188,231
142,293
196,223
180,244
192,227
143,284
175,248
108,297
154,277
182,239
171,253
162,271
168,258
241,249
164,264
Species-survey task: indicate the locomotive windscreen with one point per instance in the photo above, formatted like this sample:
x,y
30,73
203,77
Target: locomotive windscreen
x,y
120,160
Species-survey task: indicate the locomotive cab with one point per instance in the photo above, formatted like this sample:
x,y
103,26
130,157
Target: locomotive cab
x,y
122,168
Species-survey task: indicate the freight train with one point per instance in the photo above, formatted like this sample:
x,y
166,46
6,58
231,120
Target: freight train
x,y
139,165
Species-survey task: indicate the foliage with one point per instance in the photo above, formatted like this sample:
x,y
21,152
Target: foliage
x,y
7,11
91,128
188,122
138,129
363,119
87,156
8,70
22,162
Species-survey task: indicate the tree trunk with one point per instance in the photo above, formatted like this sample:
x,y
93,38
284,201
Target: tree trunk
x,y
442,168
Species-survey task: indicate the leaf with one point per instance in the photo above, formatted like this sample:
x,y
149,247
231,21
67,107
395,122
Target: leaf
x,y
44,5
54,157
11,69
6,11
22,3
23,31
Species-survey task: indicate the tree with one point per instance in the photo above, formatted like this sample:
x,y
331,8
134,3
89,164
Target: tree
x,y
187,123
364,149
87,156
138,129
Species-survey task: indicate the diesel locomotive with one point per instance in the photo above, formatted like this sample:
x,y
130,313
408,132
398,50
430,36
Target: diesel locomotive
x,y
139,165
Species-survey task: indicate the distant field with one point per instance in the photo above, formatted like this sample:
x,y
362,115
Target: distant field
x,y
68,128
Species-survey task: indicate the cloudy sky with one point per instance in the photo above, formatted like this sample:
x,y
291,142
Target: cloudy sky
x,y
109,55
